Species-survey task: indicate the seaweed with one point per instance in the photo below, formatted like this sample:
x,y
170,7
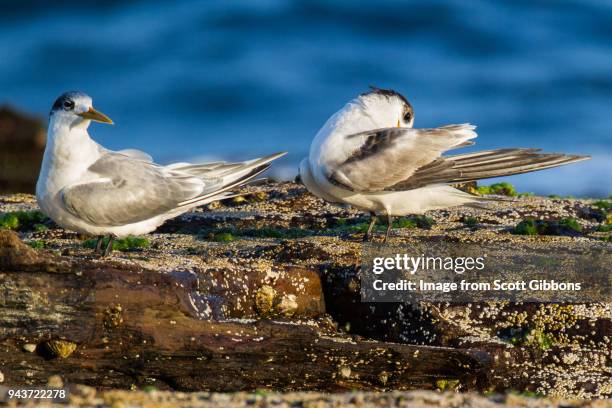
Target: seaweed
x,y
526,227
604,228
9,221
340,226
231,234
539,339
224,237
571,224
419,221
405,222
470,222
604,205
423,221
23,220
120,244
565,227
503,188
40,227
447,384
286,233
600,210
37,244
525,336
527,394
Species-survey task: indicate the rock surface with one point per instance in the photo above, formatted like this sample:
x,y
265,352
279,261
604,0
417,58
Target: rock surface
x,y
262,291
81,396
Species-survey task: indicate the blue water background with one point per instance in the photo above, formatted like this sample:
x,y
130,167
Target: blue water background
x,y
239,79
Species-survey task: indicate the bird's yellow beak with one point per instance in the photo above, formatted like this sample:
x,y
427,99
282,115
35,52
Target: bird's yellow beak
x,y
398,123
94,115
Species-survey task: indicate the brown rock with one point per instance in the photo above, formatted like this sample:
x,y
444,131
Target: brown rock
x,y
132,324
183,313
13,252
22,143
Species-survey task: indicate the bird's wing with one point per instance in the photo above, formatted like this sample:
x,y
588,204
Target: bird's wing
x,y
129,191
137,154
386,157
484,164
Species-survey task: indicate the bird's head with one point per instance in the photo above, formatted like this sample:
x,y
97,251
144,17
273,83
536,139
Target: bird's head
x,y
75,109
387,108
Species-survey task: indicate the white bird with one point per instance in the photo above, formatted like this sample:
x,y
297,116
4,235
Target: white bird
x,y
87,188
369,156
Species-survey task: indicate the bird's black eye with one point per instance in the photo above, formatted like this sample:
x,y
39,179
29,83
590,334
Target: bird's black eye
x,y
68,104
407,116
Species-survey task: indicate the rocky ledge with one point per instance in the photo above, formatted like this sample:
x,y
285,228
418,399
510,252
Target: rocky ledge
x,y
262,292
83,396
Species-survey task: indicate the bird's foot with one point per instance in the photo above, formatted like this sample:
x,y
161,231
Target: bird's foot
x,y
109,247
99,243
389,227
369,234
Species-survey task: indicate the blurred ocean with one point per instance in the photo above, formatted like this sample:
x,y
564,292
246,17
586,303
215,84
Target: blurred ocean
x,y
238,79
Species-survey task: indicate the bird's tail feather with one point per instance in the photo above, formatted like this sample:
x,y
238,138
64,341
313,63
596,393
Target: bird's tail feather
x,y
232,177
498,163
221,169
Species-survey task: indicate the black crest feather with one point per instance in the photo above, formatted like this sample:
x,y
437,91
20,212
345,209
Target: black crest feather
x,y
386,92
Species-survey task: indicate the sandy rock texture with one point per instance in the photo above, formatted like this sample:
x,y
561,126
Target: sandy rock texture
x,y
82,396
262,292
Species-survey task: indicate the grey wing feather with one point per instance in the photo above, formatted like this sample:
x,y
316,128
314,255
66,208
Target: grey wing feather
x,y
128,191
396,159
137,154
385,157
484,164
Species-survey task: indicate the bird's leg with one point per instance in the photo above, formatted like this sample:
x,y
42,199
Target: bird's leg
x,y
389,226
99,244
109,246
373,220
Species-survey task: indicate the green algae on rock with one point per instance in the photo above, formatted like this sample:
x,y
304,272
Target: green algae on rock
x,y
23,220
120,244
503,188
566,226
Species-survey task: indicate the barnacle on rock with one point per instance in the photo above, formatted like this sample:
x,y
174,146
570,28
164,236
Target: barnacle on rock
x,y
287,305
264,299
29,347
383,378
344,371
113,316
58,348
55,381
